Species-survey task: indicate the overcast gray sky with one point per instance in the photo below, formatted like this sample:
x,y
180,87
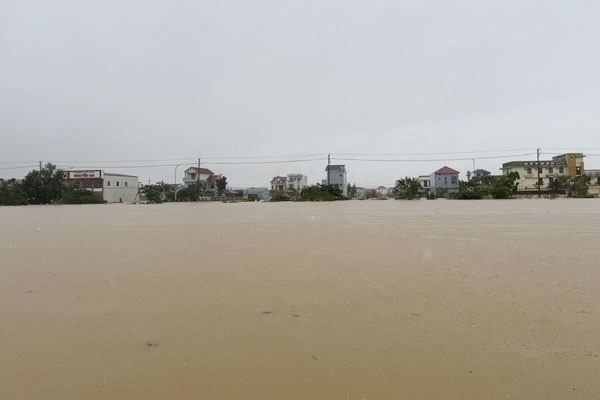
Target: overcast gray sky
x,y
131,80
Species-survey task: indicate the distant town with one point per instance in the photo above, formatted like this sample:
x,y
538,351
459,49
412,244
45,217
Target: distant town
x,y
562,175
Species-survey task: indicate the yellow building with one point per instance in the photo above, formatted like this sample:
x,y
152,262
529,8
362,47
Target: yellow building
x,y
569,164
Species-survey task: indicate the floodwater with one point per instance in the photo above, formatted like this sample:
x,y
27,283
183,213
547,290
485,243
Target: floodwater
x,y
347,300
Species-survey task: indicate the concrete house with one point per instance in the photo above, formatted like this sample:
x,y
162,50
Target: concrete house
x,y
279,184
480,173
444,181
382,191
114,188
569,164
297,181
425,181
336,175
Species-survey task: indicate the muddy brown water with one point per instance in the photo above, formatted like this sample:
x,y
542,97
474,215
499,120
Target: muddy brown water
x,y
349,300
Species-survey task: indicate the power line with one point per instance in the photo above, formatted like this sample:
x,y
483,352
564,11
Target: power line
x,y
266,162
224,158
208,163
431,153
20,167
17,162
433,160
190,159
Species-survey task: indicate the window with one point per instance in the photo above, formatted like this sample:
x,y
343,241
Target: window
x,y
550,170
117,183
445,180
454,180
540,170
125,184
108,183
550,180
561,170
529,171
192,176
578,171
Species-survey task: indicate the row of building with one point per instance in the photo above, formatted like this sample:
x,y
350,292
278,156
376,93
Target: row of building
x,y
336,176
532,174
445,180
116,188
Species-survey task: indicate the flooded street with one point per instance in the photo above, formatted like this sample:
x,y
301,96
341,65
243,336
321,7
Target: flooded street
x,y
346,300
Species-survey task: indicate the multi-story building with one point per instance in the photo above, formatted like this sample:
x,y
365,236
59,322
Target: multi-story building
x,y
114,188
297,181
336,176
444,181
425,181
569,165
481,173
203,175
279,184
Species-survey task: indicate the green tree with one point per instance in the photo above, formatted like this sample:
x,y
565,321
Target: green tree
x,y
191,192
277,195
407,189
12,193
321,193
76,195
558,184
221,184
158,192
579,186
44,186
505,186
469,190
293,193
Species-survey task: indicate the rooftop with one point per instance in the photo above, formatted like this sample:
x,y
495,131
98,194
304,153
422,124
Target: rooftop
x,y
203,171
113,174
446,170
335,167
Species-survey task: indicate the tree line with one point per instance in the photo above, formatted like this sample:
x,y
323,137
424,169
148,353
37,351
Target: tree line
x,y
310,193
163,192
44,186
495,187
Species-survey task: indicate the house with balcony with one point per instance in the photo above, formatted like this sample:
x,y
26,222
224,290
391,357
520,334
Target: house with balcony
x,y
297,181
425,181
444,181
279,184
203,175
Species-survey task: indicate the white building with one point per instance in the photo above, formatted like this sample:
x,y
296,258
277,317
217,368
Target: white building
x,y
425,181
444,181
207,178
297,181
336,176
382,191
119,188
190,175
114,188
279,184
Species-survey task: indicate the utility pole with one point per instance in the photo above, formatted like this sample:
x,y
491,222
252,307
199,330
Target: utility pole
x,y
40,166
198,199
175,187
538,174
328,169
